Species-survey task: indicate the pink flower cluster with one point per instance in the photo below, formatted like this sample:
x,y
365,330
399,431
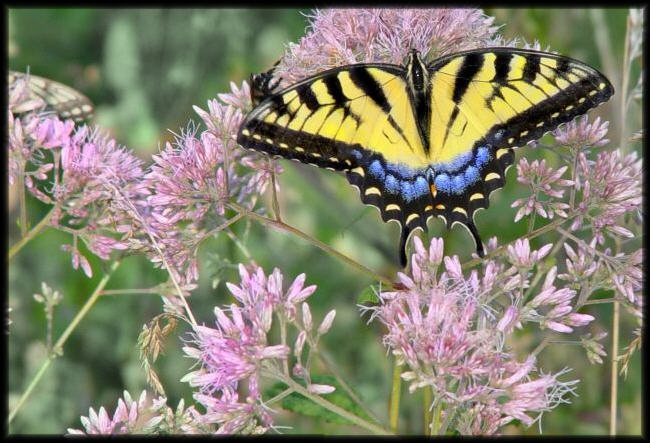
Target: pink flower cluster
x,y
365,35
446,328
235,354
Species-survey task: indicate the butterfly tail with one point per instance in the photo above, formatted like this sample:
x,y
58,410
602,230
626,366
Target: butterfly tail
x,y
477,238
406,231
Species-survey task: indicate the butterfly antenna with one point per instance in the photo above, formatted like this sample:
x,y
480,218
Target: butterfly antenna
x,y
402,246
477,239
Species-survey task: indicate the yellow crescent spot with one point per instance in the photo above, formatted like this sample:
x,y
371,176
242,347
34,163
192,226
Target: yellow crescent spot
x,y
602,85
392,207
359,170
523,134
316,154
373,190
439,206
594,92
299,149
568,108
428,208
411,217
269,141
333,159
460,211
511,139
476,196
582,100
555,114
501,152
492,176
348,162
284,145
257,137
540,124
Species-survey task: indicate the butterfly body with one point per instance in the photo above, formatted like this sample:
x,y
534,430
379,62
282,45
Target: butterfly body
x,y
425,140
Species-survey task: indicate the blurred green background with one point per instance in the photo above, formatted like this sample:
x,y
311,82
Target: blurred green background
x,y
144,69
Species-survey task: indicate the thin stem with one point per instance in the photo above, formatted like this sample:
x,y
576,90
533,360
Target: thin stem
x,y
600,301
32,233
437,414
334,408
242,247
288,228
624,81
279,397
329,366
58,346
276,205
22,202
29,389
614,373
536,233
393,407
154,243
152,291
427,396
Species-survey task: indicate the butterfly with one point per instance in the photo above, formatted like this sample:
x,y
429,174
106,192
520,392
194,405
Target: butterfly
x,y
65,101
423,140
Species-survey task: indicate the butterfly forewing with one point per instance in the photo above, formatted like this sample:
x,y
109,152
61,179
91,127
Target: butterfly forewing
x,y
63,100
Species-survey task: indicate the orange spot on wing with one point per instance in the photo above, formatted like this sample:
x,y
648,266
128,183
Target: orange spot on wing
x,y
434,191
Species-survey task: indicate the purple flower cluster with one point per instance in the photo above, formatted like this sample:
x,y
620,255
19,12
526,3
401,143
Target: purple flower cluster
x,y
143,416
450,331
104,197
541,179
235,354
346,36
83,173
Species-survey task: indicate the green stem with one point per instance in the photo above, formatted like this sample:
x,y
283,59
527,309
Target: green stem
x,y
501,249
437,414
393,411
31,234
58,346
614,373
330,367
22,203
285,227
334,408
427,397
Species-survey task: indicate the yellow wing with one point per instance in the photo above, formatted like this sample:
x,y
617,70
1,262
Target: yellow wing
x,y
506,97
333,118
486,102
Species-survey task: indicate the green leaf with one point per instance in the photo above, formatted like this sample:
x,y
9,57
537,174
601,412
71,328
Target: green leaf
x,y
369,295
295,402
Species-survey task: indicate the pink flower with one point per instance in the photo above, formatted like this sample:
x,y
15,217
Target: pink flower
x,y
346,36
579,134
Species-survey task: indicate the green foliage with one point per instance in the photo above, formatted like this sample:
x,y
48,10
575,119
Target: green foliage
x,y
300,405
144,69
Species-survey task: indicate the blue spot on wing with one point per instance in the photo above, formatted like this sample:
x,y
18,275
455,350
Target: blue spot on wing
x,y
482,156
471,175
458,184
421,186
377,170
443,183
392,184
